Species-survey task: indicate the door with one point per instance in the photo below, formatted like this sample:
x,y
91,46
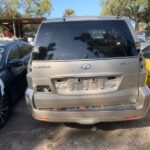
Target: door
x,y
83,59
16,76
24,55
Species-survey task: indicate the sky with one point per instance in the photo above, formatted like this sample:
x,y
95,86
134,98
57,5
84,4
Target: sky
x,y
81,7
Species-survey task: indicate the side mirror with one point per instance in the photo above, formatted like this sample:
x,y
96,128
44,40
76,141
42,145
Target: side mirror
x,y
15,63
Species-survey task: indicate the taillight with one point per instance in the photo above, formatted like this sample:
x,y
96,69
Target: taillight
x,y
132,117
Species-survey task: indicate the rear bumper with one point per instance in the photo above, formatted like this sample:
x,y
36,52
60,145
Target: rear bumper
x,y
113,113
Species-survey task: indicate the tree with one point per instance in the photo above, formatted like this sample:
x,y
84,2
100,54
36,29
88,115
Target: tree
x,y
69,12
36,8
23,8
9,9
136,10
146,14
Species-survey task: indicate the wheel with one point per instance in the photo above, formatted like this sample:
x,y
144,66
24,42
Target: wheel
x,y
4,110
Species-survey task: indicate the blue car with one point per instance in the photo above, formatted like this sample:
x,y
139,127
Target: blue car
x,y
14,56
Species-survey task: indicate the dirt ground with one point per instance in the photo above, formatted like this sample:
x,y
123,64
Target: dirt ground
x,y
22,132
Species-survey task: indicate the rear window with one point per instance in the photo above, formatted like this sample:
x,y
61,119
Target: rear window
x,y
84,40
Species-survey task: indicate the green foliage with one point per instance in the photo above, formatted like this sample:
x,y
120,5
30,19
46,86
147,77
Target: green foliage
x,y
69,12
24,8
9,9
30,29
137,10
147,28
123,7
36,8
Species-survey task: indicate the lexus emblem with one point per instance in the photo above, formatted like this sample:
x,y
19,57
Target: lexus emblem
x,y
86,66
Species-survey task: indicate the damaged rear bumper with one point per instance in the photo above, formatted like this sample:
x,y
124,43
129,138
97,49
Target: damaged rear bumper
x,y
86,116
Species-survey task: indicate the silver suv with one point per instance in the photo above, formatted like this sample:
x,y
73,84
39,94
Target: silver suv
x,y
87,70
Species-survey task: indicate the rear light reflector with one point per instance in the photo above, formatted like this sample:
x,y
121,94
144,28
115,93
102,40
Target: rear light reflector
x,y
43,118
131,117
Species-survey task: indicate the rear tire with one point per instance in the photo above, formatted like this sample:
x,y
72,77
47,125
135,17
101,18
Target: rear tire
x,y
4,110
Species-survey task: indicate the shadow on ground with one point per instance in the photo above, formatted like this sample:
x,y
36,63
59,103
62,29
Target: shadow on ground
x,y
115,125
22,132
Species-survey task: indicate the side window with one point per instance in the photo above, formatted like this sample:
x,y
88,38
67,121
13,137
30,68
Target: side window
x,y
13,53
146,53
24,50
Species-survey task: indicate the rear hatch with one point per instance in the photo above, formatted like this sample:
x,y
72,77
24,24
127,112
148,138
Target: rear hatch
x,y
79,59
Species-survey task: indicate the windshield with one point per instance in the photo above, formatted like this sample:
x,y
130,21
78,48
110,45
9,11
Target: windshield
x,y
84,40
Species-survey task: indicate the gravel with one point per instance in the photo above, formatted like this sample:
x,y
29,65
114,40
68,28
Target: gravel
x,y
22,132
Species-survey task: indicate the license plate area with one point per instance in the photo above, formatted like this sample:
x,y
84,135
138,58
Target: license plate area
x,y
86,85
